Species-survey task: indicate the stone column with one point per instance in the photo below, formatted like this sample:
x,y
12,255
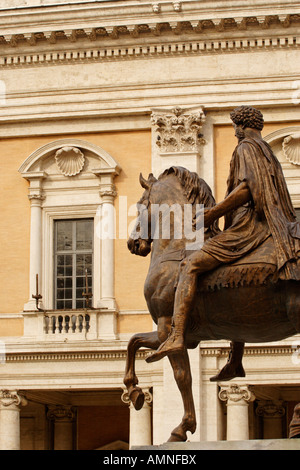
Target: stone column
x,y
237,398
63,418
10,403
272,413
36,198
107,237
140,432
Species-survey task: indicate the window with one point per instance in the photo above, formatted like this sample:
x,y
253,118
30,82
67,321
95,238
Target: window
x,y
73,262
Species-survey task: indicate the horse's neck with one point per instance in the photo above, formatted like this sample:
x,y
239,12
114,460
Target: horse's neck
x,y
160,246
169,194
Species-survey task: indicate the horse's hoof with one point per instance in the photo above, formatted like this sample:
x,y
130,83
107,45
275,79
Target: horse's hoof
x,y
137,398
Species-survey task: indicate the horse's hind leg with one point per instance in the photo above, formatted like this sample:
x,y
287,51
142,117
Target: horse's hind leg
x,y
139,340
182,374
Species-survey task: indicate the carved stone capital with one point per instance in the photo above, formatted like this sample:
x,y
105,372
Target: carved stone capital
x,y
11,399
178,130
36,198
108,194
270,409
236,394
148,397
61,413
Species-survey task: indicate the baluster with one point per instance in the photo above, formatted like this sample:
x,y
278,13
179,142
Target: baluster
x,y
67,323
60,323
53,324
87,322
74,323
80,320
46,324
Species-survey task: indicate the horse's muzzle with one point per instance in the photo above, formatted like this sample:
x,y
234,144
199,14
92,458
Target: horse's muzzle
x,y
139,246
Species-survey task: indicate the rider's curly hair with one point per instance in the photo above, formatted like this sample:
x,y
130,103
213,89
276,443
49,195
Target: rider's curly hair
x,y
247,116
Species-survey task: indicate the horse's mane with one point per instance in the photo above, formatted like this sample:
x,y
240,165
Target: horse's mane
x,y
195,188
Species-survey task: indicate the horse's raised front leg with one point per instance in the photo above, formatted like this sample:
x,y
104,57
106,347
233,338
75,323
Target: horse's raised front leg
x,y
139,340
182,374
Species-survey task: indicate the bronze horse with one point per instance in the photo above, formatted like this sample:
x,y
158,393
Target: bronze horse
x,y
241,302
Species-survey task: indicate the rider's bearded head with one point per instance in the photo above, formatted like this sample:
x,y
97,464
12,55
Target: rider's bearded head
x,y
246,116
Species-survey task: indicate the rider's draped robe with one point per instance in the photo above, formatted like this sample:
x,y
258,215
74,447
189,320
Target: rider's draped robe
x,y
268,213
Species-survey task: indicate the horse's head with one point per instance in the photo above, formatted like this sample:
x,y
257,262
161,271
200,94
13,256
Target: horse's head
x,y
139,242
175,190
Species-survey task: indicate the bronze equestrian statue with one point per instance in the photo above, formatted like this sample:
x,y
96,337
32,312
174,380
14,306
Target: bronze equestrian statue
x,y
242,285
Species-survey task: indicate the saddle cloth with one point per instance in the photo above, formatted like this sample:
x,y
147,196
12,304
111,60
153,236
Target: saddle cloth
x,y
255,268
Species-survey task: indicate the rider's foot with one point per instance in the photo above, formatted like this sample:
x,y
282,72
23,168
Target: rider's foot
x,y
173,344
229,371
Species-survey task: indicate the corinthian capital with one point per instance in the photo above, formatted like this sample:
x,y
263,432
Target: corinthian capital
x,y
178,130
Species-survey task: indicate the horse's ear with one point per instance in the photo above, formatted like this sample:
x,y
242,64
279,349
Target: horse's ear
x,y
151,178
143,182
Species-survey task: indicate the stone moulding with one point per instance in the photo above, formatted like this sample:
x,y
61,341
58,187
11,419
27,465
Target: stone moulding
x,y
250,351
122,354
70,356
150,39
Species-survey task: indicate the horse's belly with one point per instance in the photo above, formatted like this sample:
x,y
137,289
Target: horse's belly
x,y
251,314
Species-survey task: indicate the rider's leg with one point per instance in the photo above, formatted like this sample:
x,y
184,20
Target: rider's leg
x,y
194,265
233,367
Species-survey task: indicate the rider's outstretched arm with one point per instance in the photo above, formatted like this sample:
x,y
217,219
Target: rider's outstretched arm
x,y
238,197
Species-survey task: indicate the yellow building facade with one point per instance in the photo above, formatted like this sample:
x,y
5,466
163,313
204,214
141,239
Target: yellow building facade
x,y
82,88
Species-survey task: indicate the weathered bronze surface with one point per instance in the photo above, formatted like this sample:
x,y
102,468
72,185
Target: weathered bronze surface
x,y
242,285
295,424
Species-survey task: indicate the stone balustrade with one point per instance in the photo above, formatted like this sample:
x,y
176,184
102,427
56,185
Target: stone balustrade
x,y
59,325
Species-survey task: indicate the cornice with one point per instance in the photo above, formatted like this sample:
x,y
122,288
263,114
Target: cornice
x,y
58,356
133,41
267,350
111,355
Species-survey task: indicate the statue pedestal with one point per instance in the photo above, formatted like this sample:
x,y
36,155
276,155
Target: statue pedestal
x,y
263,444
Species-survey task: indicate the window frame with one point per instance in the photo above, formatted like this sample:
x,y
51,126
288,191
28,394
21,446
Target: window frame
x,y
73,252
50,215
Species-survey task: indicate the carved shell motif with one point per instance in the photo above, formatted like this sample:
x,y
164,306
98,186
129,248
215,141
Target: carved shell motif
x,y
291,148
70,160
